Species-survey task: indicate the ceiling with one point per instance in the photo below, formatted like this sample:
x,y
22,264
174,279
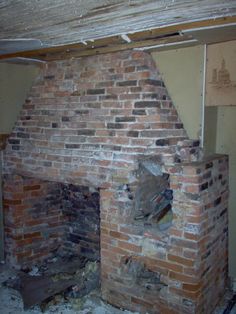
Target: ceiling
x,y
47,27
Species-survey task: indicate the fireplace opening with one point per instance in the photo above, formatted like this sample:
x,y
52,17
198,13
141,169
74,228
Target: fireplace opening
x,y
53,237
80,207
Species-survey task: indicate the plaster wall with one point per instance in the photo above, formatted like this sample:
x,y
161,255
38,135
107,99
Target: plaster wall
x,y
220,129
15,82
226,144
182,71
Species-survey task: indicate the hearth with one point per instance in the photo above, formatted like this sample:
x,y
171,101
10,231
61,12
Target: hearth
x,y
102,131
47,217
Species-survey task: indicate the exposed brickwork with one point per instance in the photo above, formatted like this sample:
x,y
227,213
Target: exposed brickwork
x,y
90,122
33,219
87,120
190,257
43,217
82,215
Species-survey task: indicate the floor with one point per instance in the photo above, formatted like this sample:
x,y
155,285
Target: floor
x,y
11,302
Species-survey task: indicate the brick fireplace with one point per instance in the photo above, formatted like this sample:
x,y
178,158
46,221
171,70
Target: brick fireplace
x,y
99,164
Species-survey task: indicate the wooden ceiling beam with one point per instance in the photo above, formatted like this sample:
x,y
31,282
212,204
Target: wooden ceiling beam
x,y
159,36
183,27
114,48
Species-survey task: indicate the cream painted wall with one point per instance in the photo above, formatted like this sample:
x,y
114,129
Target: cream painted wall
x,y
210,130
15,82
226,144
182,71
220,129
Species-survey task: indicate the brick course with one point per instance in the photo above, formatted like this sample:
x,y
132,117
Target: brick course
x,y
43,217
86,110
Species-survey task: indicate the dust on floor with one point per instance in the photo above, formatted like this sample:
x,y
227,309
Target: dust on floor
x,y
12,303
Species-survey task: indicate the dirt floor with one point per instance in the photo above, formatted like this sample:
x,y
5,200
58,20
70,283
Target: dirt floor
x,y
11,301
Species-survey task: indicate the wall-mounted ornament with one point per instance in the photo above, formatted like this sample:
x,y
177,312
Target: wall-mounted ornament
x,y
221,74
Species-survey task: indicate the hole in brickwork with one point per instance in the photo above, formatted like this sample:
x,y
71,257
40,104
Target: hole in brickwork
x,y
136,271
53,235
55,220
153,199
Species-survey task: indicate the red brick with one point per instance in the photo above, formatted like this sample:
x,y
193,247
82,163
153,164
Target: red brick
x,y
141,302
130,247
191,188
180,260
193,295
119,235
11,202
165,264
32,187
32,235
183,278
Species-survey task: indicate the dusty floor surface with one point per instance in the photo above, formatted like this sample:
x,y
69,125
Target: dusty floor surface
x,y
11,302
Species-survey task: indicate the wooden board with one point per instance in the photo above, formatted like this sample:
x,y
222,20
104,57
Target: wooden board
x,y
58,277
64,22
160,38
37,289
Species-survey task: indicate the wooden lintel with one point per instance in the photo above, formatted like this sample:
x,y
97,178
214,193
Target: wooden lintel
x,y
158,36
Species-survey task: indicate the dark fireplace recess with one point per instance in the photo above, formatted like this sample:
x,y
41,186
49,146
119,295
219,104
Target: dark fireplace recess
x,y
80,207
58,219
